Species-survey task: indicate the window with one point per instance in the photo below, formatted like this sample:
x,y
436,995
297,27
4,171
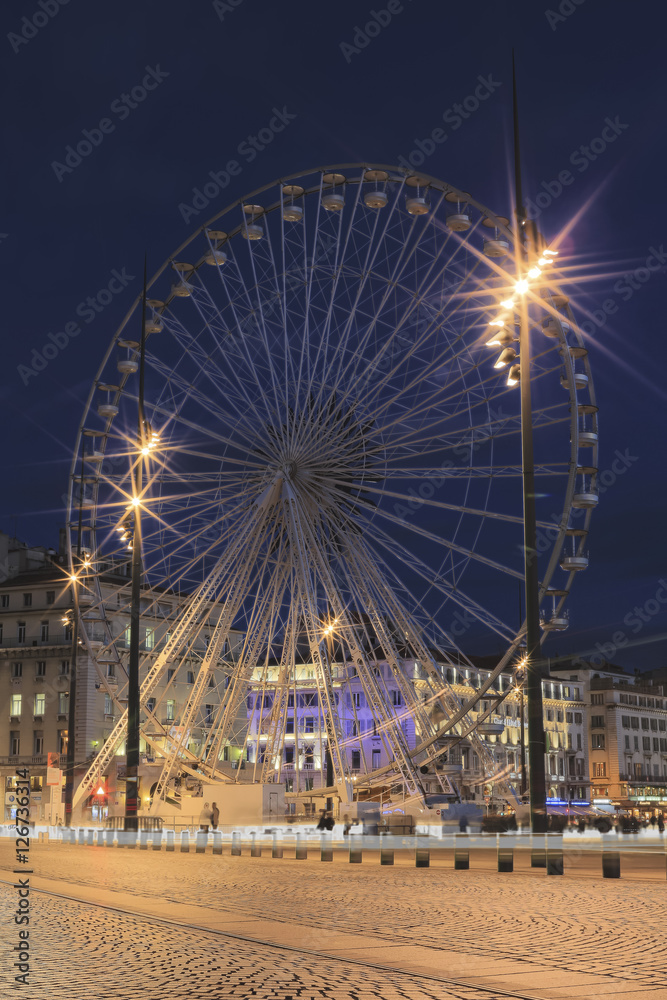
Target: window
x,y
20,631
170,674
44,631
569,741
17,669
150,638
289,755
656,744
396,698
636,742
645,723
550,715
578,741
211,682
14,743
38,741
111,670
597,721
598,741
27,600
2,631
625,721
50,597
108,705
67,630
356,699
356,760
150,705
62,703
634,722
375,761
662,725
62,741
597,699
40,670
15,704
64,666
171,711
646,742
600,769
4,601
40,704
208,715
568,718
559,716
654,725
663,745
190,677
290,701
627,742
309,725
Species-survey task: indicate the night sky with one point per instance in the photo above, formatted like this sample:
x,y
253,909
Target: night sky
x,y
592,94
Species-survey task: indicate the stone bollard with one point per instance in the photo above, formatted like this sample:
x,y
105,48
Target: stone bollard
x,y
201,842
611,861
109,837
101,840
170,840
326,850
82,834
255,848
355,851
461,856
217,842
386,856
301,848
538,855
554,855
185,841
236,845
277,849
143,840
157,840
505,856
422,857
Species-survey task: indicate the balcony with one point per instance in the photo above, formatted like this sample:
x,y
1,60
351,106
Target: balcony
x,y
641,779
34,639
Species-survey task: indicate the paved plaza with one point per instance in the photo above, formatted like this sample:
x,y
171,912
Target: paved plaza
x,y
118,923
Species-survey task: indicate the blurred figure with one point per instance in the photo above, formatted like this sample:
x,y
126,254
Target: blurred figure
x,y
653,820
581,825
215,816
346,825
322,824
661,823
463,823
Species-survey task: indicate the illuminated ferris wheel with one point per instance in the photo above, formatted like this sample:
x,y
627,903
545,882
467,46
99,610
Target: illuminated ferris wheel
x,y
333,464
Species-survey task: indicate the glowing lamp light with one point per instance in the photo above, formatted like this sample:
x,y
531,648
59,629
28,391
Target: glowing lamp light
x,y
507,304
535,272
521,286
506,357
514,375
73,577
497,322
136,501
146,451
100,790
550,253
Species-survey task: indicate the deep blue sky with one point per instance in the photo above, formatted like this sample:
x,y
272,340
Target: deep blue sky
x,y
223,72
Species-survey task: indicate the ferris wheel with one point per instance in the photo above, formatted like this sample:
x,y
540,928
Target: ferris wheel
x,y
331,464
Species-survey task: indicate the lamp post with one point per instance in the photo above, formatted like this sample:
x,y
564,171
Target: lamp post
x,y
71,708
533,671
133,704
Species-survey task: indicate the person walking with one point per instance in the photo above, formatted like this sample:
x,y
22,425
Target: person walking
x,y
204,818
463,824
215,816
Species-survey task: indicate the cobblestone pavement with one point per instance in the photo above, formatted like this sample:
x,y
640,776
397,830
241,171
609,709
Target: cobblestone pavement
x,y
520,931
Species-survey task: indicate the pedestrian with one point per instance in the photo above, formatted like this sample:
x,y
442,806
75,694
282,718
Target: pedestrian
x,y
661,824
322,825
204,818
215,816
346,825
653,820
463,823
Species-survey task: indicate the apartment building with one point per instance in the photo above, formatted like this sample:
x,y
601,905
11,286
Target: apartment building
x,y
36,661
626,722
